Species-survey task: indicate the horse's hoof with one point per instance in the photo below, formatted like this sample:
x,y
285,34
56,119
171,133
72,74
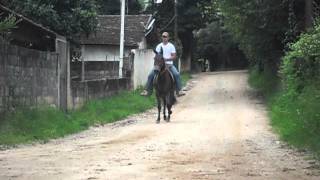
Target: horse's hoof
x,y
165,118
158,121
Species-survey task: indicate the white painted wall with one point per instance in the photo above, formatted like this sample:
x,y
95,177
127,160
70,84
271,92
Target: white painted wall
x,y
102,52
106,52
142,44
143,64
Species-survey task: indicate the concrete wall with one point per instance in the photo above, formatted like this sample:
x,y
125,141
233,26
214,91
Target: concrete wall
x,y
100,80
32,78
83,91
27,77
142,65
89,70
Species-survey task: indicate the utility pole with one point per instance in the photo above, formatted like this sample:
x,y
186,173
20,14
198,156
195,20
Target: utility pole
x,y
175,20
176,38
121,37
308,13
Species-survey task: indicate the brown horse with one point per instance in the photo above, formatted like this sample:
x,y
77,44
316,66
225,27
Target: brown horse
x,y
164,86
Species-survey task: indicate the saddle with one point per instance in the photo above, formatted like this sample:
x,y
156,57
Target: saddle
x,y
155,79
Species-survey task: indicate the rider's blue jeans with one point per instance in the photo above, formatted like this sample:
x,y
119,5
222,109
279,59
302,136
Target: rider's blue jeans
x,y
175,73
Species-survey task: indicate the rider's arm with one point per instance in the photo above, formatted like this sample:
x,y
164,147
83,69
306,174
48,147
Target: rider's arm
x,y
173,56
173,53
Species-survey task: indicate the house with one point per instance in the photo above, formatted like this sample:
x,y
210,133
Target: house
x,y
103,45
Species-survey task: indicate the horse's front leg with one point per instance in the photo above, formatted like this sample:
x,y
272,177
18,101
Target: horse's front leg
x,y
164,109
159,108
169,106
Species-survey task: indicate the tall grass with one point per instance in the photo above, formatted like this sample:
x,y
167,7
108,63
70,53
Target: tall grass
x,y
265,82
185,76
297,118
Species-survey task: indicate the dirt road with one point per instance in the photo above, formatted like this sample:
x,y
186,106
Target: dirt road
x,y
218,131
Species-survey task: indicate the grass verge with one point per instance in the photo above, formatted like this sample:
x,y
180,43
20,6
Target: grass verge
x,y
43,124
46,123
295,117
185,76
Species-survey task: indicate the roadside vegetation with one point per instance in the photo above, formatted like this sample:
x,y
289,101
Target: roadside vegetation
x,y
294,107
295,111
43,124
280,39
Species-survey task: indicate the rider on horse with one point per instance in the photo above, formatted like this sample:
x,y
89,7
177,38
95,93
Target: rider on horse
x,y
169,54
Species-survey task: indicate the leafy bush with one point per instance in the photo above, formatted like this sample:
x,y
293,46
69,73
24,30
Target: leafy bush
x,y
301,65
265,82
295,113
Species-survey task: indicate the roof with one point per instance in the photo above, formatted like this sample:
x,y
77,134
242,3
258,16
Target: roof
x,y
108,30
30,34
19,16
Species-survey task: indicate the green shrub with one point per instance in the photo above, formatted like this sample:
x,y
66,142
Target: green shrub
x,y
301,65
295,112
266,82
297,118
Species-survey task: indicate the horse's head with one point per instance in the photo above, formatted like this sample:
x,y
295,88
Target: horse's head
x,y
159,63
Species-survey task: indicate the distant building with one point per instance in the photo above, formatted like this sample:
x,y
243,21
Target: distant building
x,y
30,34
103,45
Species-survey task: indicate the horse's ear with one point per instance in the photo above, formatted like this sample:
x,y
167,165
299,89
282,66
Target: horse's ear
x,y
154,50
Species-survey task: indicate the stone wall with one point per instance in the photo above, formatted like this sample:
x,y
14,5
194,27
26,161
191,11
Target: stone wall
x,y
27,77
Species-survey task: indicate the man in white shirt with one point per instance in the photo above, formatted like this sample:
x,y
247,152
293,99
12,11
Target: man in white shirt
x,y
169,54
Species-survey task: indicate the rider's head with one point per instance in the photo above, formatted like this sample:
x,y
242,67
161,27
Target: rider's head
x,y
165,37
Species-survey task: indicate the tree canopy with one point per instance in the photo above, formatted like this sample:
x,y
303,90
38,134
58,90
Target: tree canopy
x,y
263,28
69,17
191,15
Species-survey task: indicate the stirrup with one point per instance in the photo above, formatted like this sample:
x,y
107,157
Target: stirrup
x,y
180,93
144,93
155,79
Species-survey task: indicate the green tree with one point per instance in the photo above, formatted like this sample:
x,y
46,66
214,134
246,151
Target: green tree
x,y
67,17
192,15
7,23
259,27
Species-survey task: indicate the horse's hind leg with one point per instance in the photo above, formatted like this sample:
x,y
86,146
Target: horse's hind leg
x,y
170,102
159,109
169,112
